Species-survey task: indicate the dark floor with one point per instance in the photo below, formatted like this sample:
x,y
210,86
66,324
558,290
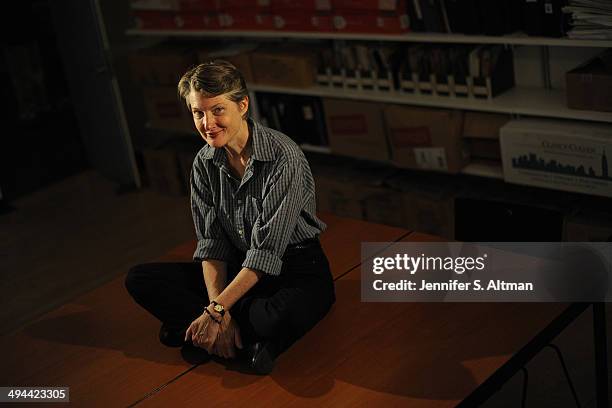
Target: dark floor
x,y
78,233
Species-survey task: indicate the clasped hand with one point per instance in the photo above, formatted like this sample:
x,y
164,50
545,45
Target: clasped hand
x,y
217,337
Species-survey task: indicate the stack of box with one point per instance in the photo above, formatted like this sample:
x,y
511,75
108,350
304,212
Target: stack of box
x,y
368,16
239,54
284,66
302,15
246,15
157,70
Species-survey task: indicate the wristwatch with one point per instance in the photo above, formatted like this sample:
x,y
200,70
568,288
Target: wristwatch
x,y
217,307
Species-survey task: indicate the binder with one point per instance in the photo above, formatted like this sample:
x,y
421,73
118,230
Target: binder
x,y
432,16
464,16
554,21
532,17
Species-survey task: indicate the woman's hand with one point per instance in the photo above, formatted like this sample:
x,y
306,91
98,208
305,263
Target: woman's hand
x,y
203,332
228,337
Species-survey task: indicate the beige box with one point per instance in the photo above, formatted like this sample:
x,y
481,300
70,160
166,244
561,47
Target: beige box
x,y
426,139
239,55
166,111
356,129
160,65
285,67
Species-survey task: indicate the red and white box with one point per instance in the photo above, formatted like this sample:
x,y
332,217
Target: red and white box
x,y
246,20
300,21
154,20
312,5
197,21
371,23
358,6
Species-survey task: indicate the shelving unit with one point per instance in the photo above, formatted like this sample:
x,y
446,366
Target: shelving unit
x,y
519,101
513,39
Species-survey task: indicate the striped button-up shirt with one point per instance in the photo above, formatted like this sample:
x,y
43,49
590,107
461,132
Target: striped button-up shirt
x,y
257,217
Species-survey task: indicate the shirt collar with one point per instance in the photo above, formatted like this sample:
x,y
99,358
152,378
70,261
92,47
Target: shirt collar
x,y
262,145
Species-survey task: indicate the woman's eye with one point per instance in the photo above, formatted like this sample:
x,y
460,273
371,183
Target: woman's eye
x,y
218,111
197,115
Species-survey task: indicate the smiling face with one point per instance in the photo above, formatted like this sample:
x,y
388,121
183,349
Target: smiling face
x,y
219,120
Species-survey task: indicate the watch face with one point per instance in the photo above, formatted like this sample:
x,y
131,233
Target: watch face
x,y
218,308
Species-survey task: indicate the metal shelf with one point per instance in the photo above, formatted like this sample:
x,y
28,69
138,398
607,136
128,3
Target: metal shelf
x,y
518,101
511,39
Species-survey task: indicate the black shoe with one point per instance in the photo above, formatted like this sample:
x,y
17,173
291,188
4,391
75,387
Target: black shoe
x,y
260,357
171,337
194,355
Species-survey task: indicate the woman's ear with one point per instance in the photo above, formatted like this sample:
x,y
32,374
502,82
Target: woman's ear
x,y
244,105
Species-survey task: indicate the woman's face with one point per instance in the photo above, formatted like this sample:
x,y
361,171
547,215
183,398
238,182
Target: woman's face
x,y
218,119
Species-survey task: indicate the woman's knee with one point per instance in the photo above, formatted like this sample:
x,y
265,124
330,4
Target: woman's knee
x,y
136,278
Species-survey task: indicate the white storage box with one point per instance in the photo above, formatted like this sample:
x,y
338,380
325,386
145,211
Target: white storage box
x,y
558,154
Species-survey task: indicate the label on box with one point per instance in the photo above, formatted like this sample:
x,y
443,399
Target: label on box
x,y
576,163
348,124
431,158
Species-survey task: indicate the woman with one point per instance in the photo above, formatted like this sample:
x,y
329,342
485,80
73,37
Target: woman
x,y
259,280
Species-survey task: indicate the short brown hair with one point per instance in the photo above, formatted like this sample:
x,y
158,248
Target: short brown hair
x,y
214,78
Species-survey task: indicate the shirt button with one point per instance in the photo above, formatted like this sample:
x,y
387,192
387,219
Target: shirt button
x,y
241,232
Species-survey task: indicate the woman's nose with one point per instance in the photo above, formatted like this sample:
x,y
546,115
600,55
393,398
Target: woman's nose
x,y
208,121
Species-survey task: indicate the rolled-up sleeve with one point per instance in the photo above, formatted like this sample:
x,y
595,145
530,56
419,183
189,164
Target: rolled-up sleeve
x,y
275,224
212,240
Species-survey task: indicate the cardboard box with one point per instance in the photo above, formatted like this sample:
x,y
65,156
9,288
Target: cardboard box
x,y
166,111
481,132
371,23
284,67
556,154
480,125
237,54
356,129
162,65
426,139
589,86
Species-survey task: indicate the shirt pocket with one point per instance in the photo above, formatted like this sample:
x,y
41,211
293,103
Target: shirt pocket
x,y
253,209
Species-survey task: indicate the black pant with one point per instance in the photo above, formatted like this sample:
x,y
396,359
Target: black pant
x,y
278,308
